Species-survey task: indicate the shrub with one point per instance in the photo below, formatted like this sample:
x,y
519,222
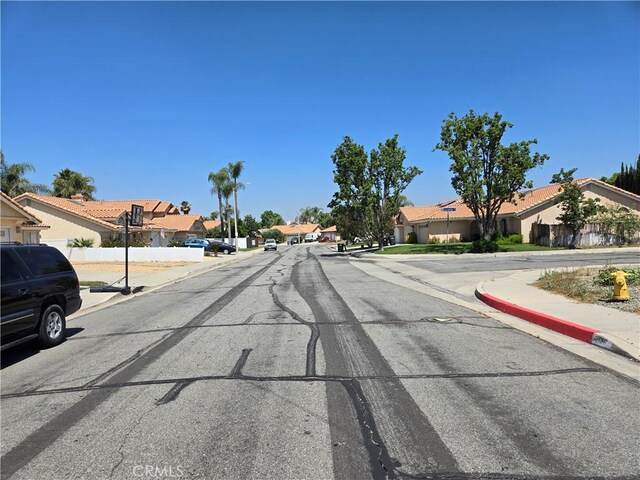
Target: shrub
x,y
112,243
604,278
412,237
81,242
515,238
484,246
275,234
512,239
434,240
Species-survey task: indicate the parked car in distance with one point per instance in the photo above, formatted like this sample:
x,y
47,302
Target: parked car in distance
x,y
225,248
390,240
39,289
198,243
293,240
324,239
270,244
311,237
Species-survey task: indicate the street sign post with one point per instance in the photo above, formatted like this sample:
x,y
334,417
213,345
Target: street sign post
x,y
448,210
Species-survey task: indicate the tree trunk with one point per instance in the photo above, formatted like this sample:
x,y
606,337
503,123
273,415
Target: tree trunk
x,y
235,214
221,216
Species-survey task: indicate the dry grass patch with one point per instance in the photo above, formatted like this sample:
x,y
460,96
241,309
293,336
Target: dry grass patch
x,y
586,285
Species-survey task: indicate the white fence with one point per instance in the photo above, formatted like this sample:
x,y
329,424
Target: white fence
x,y
242,242
136,254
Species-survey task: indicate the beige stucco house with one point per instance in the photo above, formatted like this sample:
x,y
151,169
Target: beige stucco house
x,y
537,206
100,220
331,232
17,224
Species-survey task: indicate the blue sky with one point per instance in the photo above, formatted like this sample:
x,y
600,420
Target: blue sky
x,y
149,97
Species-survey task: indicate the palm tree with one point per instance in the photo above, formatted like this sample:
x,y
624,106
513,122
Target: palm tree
x,y
227,191
235,170
185,207
13,181
404,202
67,183
218,179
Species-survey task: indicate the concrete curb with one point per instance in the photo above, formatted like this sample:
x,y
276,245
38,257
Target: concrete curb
x,y
570,329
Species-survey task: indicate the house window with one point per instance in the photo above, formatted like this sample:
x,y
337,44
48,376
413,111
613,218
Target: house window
x,y
30,237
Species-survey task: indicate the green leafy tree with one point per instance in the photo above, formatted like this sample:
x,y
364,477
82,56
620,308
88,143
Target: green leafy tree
x,y
269,218
389,178
325,219
369,188
309,215
235,170
218,180
251,226
273,233
67,183
351,204
214,233
576,210
13,179
486,174
619,220
185,207
629,178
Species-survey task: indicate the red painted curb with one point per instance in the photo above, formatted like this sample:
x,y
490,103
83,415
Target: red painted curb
x,y
574,330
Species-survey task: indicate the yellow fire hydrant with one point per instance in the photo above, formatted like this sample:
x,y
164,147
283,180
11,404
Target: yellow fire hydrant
x,y
620,290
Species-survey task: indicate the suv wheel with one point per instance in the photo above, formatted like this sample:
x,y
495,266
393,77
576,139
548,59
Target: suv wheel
x,y
52,326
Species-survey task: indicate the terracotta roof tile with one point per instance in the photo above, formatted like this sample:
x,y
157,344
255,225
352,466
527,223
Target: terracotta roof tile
x,y
209,224
36,221
68,206
331,229
297,229
532,198
181,223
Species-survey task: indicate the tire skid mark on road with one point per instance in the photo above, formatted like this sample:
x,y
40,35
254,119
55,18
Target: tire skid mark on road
x,y
352,353
173,392
20,455
525,438
302,378
236,372
125,362
377,450
249,322
310,367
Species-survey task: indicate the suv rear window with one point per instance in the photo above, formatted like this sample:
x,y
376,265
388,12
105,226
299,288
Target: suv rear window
x,y
9,270
43,260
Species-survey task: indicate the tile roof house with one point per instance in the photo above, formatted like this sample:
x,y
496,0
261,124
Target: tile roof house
x,y
297,229
16,224
331,232
210,224
536,206
100,220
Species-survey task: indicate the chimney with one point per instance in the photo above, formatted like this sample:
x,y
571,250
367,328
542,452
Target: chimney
x,y
77,198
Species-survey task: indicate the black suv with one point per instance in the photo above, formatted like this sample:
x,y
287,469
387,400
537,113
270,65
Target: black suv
x,y
39,289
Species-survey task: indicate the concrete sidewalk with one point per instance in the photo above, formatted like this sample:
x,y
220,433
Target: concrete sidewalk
x,y
149,281
605,327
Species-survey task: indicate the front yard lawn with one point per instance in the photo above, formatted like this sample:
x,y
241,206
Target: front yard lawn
x,y
457,248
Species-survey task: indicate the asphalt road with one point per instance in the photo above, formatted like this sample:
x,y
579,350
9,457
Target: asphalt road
x,y
296,365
